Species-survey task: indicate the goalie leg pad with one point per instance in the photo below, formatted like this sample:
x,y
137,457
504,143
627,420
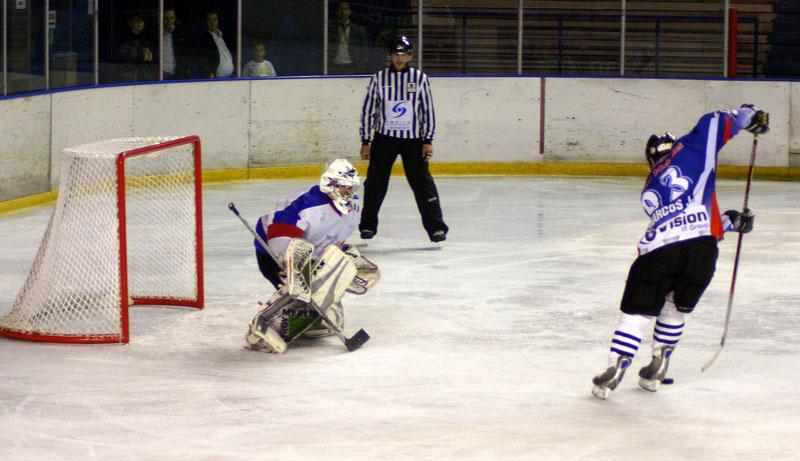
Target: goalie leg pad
x,y
331,276
298,269
260,337
321,328
279,323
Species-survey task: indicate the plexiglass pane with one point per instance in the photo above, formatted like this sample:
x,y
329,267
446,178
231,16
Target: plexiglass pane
x,y
574,38
3,75
359,32
674,39
25,33
468,40
204,39
71,32
290,32
128,40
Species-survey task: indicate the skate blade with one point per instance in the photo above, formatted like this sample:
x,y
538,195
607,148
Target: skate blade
x,y
649,384
601,392
256,348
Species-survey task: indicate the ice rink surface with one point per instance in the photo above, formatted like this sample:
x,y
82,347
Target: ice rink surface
x,y
483,348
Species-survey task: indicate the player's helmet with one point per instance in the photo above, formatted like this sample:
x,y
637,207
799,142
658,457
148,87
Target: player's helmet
x,y
658,147
340,181
400,44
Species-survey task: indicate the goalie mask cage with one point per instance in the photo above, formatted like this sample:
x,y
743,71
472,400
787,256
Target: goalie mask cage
x,y
127,228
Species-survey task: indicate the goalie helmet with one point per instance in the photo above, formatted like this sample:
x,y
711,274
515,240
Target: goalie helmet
x,y
340,182
658,147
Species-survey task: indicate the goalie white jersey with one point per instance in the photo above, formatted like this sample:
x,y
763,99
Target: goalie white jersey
x,y
310,215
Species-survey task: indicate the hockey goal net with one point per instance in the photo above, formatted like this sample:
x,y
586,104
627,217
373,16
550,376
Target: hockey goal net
x,y
127,228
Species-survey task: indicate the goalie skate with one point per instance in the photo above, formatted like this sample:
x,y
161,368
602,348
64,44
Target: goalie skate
x,y
607,381
651,376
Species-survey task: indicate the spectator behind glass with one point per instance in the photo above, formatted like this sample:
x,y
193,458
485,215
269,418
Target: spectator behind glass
x,y
347,45
134,53
214,58
175,47
259,66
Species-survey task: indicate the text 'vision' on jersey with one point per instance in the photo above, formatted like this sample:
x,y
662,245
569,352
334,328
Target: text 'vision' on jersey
x,y
679,195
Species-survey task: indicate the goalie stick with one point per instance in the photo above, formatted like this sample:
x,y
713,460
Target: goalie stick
x,y
352,343
745,210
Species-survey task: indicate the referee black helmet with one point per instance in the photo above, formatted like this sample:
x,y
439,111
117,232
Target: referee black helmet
x,y
400,44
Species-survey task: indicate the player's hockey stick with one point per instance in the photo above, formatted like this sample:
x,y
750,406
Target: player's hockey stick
x,y
352,343
745,210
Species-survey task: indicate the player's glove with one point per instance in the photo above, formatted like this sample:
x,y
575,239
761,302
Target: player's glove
x,y
741,222
759,122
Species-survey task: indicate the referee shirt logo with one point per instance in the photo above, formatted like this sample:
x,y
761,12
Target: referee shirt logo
x,y
411,87
398,116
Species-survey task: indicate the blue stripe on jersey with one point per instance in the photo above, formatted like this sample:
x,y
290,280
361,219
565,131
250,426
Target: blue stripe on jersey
x,y
261,233
291,214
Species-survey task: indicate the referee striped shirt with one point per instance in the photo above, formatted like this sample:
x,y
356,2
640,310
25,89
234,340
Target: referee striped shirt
x,y
398,104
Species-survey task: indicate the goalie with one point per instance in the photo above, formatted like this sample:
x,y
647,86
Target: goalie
x,y
312,263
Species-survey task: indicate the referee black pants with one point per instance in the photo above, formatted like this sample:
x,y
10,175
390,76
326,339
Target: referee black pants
x,y
382,155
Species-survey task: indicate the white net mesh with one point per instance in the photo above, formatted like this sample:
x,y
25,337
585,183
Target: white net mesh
x,y
74,287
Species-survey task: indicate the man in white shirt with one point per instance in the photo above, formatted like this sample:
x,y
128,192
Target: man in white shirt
x,y
215,59
169,43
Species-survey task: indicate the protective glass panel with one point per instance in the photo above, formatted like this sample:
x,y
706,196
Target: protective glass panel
x,y
128,40
674,39
71,33
468,40
571,37
359,33
286,33
25,36
204,39
3,47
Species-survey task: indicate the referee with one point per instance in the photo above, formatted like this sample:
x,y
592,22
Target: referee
x,y
398,109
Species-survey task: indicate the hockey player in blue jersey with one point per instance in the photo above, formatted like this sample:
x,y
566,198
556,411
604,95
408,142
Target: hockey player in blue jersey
x,y
307,233
678,251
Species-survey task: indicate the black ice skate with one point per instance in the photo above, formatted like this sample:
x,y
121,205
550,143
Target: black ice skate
x,y
654,373
607,381
438,236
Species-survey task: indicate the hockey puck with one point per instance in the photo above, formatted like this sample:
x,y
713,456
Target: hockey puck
x,y
668,381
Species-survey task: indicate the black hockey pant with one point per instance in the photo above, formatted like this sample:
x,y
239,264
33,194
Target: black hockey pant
x,y
383,153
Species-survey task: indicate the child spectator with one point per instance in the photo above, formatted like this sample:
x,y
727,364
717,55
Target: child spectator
x,y
259,67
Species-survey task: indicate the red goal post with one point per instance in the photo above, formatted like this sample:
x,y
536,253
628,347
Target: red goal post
x,y
126,229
